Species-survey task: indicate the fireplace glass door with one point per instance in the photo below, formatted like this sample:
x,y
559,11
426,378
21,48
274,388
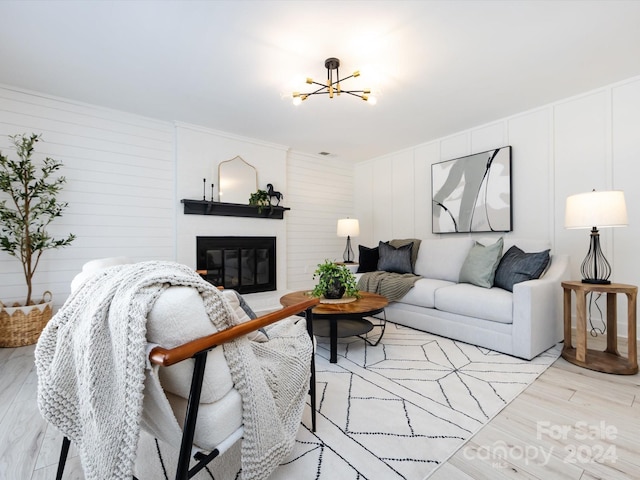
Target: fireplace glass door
x,y
245,264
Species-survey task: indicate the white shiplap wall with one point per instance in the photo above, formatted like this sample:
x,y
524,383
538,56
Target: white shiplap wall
x,y
120,185
319,192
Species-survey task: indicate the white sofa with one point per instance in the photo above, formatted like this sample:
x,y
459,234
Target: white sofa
x,y
523,323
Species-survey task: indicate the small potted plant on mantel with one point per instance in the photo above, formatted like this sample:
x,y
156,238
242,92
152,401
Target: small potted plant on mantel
x,y
259,198
334,281
24,217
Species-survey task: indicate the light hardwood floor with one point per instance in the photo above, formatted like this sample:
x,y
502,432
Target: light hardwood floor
x,y
571,423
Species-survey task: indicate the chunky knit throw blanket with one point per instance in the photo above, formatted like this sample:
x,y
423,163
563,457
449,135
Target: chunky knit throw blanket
x,y
391,285
91,362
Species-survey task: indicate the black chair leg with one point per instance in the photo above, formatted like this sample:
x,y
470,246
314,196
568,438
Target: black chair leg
x,y
312,386
64,452
191,416
312,393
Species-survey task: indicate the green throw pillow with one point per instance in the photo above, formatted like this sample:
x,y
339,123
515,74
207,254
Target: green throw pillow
x,y
479,268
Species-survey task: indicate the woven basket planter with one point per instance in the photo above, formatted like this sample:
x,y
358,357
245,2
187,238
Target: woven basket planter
x,y
22,325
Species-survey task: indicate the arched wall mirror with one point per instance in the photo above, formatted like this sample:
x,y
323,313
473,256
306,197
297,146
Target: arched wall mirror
x,y
237,180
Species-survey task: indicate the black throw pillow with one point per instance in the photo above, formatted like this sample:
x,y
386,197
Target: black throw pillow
x,y
517,266
367,259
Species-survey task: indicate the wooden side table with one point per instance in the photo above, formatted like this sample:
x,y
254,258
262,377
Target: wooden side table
x,y
609,361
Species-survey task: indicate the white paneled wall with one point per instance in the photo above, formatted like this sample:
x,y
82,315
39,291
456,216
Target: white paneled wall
x,y
626,176
423,158
120,186
582,163
319,191
403,202
532,175
572,146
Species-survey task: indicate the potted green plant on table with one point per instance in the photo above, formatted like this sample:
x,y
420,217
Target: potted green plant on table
x,y
334,281
28,207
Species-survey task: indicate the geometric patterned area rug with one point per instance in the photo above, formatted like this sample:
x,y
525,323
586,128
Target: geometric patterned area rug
x,y
394,411
401,408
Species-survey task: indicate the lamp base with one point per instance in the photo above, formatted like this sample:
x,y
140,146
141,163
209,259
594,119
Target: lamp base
x,y
596,281
595,268
348,255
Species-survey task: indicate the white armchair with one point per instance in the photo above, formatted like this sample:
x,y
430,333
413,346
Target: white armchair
x,y
187,377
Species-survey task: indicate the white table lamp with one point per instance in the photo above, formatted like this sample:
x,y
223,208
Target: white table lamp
x,y
593,210
348,227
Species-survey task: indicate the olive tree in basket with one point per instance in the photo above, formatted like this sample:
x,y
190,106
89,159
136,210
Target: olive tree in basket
x,y
28,205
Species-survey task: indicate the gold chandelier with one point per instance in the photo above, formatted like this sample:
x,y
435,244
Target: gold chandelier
x,y
332,86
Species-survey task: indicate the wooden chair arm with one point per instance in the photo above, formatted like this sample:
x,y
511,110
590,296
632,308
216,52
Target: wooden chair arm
x,y
170,356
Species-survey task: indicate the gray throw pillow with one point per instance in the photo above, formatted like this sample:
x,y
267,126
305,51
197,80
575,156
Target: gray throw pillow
x,y
251,314
517,266
394,259
479,268
396,242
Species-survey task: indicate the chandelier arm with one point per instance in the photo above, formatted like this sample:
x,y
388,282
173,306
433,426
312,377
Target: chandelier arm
x,y
346,78
316,92
351,92
322,85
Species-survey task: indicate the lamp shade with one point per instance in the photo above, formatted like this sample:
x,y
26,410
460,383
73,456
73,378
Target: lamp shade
x,y
596,209
348,227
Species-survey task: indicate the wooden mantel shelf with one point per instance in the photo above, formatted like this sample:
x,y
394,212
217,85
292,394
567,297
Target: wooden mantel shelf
x,y
204,207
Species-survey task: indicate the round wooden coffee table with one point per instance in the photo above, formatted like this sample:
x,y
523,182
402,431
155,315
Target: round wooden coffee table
x,y
338,320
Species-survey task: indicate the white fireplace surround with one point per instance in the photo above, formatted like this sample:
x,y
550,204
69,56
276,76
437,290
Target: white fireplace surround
x,y
198,153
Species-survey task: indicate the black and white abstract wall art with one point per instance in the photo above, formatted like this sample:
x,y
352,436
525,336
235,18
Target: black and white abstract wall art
x,y
473,193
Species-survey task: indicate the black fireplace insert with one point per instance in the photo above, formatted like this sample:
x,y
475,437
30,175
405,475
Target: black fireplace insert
x,y
245,264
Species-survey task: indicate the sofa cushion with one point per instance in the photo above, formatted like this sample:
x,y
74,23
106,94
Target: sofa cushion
x,y
414,249
423,292
517,266
479,268
494,304
367,259
394,259
442,259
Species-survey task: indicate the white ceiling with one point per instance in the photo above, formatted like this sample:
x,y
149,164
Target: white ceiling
x,y
441,66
